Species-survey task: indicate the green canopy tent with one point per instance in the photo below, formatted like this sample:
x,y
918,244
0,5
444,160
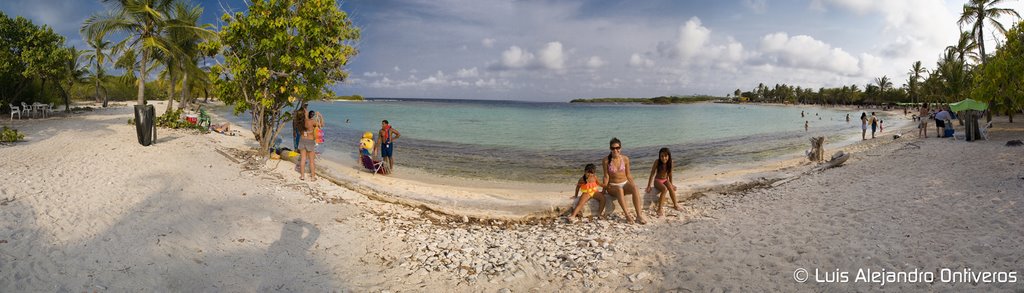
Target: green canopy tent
x,y
968,104
971,110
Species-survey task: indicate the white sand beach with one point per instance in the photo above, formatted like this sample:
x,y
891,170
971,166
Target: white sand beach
x,y
84,207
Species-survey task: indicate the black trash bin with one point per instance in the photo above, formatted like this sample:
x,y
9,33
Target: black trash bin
x,y
145,126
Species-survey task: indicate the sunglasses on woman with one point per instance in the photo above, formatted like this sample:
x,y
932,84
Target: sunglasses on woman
x,y
616,148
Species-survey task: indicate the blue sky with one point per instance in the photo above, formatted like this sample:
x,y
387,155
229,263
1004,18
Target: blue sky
x,y
559,50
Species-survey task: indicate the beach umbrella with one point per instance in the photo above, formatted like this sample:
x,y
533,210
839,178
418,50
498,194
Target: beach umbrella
x,y
968,104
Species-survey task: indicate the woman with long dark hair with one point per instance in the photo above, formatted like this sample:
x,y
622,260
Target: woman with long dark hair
x,y
661,176
618,180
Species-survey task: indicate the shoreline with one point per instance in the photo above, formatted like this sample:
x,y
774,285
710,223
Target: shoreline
x,y
507,200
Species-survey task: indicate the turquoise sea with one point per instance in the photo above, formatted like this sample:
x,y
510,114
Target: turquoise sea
x,y
551,142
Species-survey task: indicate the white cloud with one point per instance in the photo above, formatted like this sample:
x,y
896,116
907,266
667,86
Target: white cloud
x,y
595,62
758,6
397,69
435,79
373,74
640,61
466,73
516,57
691,39
803,51
488,42
551,56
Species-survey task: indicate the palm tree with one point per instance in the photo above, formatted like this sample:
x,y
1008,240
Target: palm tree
x,y
964,48
97,56
883,83
976,12
143,22
71,72
188,39
914,82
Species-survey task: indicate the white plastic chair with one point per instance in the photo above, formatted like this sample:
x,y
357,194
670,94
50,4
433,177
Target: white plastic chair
x,y
49,110
14,110
25,109
984,130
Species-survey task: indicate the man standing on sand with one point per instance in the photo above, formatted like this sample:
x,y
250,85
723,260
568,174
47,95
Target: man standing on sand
x,y
386,137
874,124
940,121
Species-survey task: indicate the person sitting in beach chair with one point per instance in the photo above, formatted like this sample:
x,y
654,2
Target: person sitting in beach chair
x,y
375,166
366,144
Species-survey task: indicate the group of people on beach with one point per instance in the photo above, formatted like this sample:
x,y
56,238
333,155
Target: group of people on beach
x,y
616,181
308,129
865,121
941,115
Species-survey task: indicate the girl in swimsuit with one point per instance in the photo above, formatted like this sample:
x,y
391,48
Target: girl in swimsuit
x,y
661,174
590,188
616,177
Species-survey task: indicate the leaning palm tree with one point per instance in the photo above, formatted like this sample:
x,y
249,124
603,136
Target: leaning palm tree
x,y
70,72
96,57
143,23
976,12
914,80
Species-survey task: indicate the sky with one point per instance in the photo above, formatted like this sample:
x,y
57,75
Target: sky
x,y
560,50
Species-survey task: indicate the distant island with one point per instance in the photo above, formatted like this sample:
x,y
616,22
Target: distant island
x,y
347,98
662,100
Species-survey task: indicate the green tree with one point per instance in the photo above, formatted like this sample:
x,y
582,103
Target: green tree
x,y
279,54
27,53
975,14
1001,80
70,72
143,22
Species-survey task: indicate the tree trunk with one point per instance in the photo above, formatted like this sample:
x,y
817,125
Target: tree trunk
x,y
1009,114
170,93
142,78
98,92
184,91
67,99
206,95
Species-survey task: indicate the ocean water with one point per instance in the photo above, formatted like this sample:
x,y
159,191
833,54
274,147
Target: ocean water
x,y
551,142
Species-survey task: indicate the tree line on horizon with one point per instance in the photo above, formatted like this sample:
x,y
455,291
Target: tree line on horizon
x,y
963,70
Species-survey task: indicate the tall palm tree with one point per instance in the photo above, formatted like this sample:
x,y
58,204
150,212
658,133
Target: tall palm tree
x,y
143,23
914,81
96,57
976,12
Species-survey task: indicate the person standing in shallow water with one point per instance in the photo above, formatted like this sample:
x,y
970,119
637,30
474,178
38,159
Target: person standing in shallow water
x,y
386,138
618,181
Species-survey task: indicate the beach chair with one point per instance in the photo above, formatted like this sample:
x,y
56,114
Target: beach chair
x,y
15,110
49,110
377,167
203,117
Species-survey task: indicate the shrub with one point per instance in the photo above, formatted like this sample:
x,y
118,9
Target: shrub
x,y
11,135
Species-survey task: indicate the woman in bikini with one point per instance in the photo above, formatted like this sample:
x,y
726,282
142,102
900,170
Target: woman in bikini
x,y
616,177
307,147
661,175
